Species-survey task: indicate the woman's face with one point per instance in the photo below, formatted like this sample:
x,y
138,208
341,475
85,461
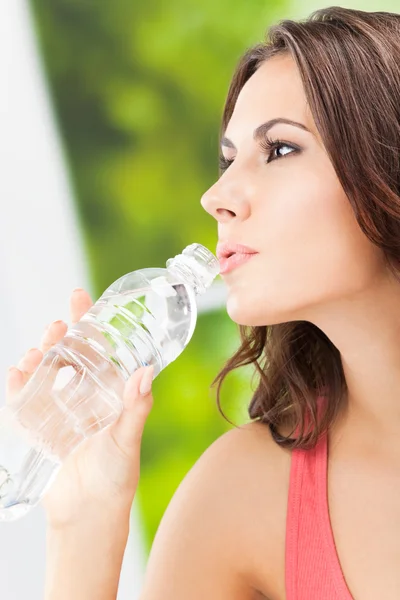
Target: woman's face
x,y
286,203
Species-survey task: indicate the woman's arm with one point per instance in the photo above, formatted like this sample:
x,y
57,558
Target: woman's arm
x,y
202,548
84,561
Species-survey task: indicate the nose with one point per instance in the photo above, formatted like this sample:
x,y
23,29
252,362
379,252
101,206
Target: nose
x,y
225,201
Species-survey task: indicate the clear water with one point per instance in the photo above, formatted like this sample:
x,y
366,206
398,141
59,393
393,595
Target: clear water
x,y
145,317
29,473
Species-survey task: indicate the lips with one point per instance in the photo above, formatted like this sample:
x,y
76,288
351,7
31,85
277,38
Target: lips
x,y
227,249
226,264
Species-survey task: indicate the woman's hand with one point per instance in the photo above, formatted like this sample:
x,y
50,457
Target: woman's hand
x,y
101,475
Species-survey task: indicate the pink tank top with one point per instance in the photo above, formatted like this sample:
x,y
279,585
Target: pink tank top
x,y
312,567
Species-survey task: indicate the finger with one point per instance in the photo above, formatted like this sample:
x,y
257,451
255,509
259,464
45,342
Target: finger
x,y
29,363
80,303
17,376
14,383
52,335
128,429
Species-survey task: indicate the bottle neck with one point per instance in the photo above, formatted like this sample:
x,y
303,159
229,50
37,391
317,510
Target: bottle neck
x,y
188,275
196,265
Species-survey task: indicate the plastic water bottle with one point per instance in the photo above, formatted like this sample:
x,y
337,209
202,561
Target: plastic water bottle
x,y
146,317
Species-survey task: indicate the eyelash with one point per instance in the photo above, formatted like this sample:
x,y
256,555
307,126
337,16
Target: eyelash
x,y
267,145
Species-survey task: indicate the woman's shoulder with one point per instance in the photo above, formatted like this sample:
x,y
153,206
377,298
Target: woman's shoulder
x,y
249,459
255,472
223,533
253,448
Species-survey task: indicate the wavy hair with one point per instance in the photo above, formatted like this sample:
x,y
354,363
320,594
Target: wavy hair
x,y
349,61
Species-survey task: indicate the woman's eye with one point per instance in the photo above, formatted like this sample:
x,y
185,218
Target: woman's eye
x,y
224,163
269,147
277,146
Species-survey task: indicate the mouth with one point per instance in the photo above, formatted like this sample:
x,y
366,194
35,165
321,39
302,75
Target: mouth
x,y
233,260
226,249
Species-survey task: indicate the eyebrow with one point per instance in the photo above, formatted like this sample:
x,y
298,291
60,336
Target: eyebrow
x,y
261,130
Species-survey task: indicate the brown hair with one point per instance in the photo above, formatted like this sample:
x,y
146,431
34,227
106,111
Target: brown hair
x,y
349,61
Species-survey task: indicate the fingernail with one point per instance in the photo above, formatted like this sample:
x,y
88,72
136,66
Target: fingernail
x,y
78,290
147,380
12,368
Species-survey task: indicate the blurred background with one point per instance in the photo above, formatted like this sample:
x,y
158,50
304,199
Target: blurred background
x,y
109,114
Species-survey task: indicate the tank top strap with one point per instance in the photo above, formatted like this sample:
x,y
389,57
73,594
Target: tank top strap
x,y
312,568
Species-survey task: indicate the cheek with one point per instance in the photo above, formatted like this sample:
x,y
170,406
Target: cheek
x,y
314,252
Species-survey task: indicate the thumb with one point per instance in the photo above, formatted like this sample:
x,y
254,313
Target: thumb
x,y
128,429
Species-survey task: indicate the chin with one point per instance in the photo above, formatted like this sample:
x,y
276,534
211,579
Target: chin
x,y
243,315
247,314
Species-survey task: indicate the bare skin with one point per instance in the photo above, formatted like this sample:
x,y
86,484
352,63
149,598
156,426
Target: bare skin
x,y
318,266
197,553
223,534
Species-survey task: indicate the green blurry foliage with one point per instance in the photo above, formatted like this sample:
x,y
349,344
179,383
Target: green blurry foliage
x,y
138,90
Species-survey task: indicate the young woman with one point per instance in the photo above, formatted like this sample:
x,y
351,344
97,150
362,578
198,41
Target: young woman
x,y
302,503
